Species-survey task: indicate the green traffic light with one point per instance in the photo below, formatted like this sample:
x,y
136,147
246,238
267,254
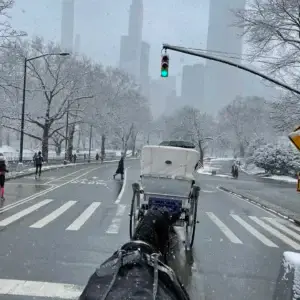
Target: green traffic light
x,y
164,73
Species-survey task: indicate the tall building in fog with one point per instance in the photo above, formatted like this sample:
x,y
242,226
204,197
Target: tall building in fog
x,y
222,82
144,68
192,85
77,44
161,92
67,25
130,50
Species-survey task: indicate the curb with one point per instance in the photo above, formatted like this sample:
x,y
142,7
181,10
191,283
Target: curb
x,y
287,283
56,167
271,210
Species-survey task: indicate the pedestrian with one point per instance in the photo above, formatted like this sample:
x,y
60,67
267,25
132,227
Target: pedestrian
x,y
38,164
120,169
3,170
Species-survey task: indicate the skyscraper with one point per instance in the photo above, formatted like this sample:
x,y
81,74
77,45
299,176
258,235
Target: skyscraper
x,y
144,68
222,82
130,51
67,25
77,44
192,89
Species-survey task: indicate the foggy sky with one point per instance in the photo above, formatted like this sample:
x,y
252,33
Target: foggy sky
x,y
100,24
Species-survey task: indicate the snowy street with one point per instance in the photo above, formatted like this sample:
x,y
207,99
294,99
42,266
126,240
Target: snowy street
x,y
71,220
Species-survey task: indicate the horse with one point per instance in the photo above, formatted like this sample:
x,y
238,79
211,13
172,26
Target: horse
x,y
137,270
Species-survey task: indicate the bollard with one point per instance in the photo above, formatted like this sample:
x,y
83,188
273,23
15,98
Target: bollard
x,y
298,182
213,172
288,284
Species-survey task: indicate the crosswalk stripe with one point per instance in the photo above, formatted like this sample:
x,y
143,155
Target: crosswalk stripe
x,y
24,212
276,233
86,214
54,215
51,290
293,226
283,228
228,233
254,232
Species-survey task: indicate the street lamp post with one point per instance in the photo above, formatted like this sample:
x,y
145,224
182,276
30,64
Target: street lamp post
x,y
26,60
90,143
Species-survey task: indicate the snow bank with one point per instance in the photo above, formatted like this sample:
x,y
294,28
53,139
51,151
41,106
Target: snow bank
x,y
222,158
288,281
207,170
282,178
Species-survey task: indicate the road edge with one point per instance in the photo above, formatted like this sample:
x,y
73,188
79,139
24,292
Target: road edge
x,y
263,206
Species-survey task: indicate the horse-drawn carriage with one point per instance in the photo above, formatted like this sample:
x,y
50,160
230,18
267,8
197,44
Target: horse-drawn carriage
x,y
167,181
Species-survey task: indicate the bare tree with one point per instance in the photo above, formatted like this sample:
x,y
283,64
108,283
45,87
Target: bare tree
x,y
272,29
188,123
58,85
245,120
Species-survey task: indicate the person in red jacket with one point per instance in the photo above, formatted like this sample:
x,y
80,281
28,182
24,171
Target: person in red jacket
x,y
3,170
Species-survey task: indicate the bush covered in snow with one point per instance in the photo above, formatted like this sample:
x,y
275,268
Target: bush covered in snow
x,y
276,159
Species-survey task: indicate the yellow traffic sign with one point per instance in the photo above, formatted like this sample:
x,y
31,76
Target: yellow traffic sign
x,y
295,138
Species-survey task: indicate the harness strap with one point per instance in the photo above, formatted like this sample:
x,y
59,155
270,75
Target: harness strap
x,y
135,256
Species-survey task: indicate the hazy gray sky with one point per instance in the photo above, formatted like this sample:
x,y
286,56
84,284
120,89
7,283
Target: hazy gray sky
x,y
100,24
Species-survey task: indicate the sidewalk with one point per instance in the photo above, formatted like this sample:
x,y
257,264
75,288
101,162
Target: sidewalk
x,y
31,171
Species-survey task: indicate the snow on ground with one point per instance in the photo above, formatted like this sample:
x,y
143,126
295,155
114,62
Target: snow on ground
x,y
252,169
282,178
222,158
207,170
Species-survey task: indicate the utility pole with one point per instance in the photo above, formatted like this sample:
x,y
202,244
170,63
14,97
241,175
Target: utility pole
x,y
227,62
90,146
67,132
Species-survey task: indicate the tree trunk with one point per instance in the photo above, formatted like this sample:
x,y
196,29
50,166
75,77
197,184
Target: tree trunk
x,y
242,150
45,141
103,137
201,150
133,143
58,146
1,136
79,138
70,141
7,139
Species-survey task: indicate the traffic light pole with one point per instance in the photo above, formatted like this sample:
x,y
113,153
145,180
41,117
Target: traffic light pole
x,y
227,62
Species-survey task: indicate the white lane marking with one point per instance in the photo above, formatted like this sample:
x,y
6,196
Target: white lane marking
x,y
227,232
118,200
39,289
54,215
114,227
253,204
283,228
24,212
86,214
276,233
59,178
32,197
254,232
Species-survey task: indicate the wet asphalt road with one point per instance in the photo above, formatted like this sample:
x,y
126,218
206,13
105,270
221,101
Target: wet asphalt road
x,y
71,220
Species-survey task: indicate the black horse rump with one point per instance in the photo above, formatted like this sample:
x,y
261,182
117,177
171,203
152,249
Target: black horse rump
x,y
136,271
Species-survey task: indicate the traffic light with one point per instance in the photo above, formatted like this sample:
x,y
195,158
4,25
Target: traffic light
x,y
164,72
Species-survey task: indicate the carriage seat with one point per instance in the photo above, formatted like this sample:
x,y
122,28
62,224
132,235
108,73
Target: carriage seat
x,y
169,162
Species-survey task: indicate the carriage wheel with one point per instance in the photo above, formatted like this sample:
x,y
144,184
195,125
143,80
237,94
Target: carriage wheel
x,y
190,226
134,211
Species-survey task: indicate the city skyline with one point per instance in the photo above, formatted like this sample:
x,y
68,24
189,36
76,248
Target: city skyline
x,y
67,25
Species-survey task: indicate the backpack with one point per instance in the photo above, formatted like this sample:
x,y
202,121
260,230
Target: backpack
x,y
39,160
